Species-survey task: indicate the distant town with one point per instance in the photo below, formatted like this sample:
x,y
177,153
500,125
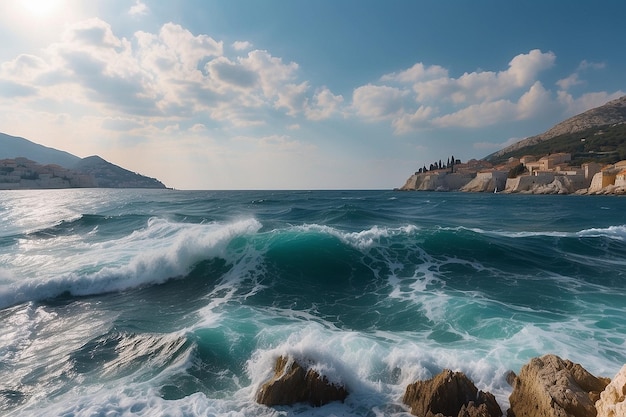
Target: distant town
x,y
24,174
550,174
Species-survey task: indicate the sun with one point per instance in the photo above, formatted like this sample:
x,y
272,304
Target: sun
x,y
40,8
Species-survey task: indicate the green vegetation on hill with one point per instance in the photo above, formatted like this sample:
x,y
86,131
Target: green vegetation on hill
x,y
602,144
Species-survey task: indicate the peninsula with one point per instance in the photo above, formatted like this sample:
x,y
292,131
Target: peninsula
x,y
585,154
27,165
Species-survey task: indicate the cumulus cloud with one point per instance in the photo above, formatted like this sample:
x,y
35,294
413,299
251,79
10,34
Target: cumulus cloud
x,y
172,73
323,105
378,101
138,9
424,96
486,113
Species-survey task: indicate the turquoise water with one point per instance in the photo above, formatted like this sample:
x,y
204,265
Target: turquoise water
x,y
161,302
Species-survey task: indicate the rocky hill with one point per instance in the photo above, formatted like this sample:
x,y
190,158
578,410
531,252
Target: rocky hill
x,y
610,114
109,175
93,170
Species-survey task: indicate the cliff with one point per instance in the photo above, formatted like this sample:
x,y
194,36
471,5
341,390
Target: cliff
x,y
436,181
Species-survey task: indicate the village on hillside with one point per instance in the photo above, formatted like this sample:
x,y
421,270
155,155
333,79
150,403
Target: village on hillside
x,y
550,174
22,173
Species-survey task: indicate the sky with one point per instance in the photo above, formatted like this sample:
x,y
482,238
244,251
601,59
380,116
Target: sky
x,y
295,94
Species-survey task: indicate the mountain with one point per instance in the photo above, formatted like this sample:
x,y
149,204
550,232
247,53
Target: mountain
x,y
103,173
608,117
14,147
109,175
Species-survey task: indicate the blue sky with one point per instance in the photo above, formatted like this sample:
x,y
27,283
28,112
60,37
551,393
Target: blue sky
x,y
289,94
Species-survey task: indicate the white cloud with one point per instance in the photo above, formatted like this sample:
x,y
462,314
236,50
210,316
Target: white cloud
x,y
323,105
409,122
92,32
241,45
433,82
417,73
139,9
426,96
273,73
486,113
569,82
573,106
198,128
292,97
378,101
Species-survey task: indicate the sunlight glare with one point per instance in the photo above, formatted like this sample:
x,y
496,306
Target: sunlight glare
x,y
40,8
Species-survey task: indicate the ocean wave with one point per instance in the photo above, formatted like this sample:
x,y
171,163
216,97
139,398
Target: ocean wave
x,y
152,255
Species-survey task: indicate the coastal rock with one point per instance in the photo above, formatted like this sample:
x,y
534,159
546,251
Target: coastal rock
x,y
612,401
450,394
292,383
486,182
436,181
552,387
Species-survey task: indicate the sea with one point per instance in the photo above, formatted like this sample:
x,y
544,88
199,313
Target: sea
x,y
177,303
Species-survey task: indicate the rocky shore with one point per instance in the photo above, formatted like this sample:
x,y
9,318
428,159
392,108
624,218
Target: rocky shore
x,y
548,386
608,182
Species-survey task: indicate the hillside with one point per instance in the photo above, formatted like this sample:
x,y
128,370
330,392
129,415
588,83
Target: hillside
x,y
93,170
109,175
14,147
602,144
602,128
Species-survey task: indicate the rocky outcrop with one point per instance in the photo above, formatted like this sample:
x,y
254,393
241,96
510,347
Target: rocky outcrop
x,y
486,182
612,402
450,394
552,387
436,181
292,383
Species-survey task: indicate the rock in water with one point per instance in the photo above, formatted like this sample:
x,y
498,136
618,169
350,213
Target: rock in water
x,y
612,401
450,394
292,384
552,387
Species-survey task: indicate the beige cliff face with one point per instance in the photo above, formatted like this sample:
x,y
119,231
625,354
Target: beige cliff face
x,y
436,181
612,402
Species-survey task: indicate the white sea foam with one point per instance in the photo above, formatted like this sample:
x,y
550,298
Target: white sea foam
x,y
162,250
613,232
361,240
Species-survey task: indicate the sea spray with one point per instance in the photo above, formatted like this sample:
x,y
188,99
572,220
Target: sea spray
x,y
171,302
